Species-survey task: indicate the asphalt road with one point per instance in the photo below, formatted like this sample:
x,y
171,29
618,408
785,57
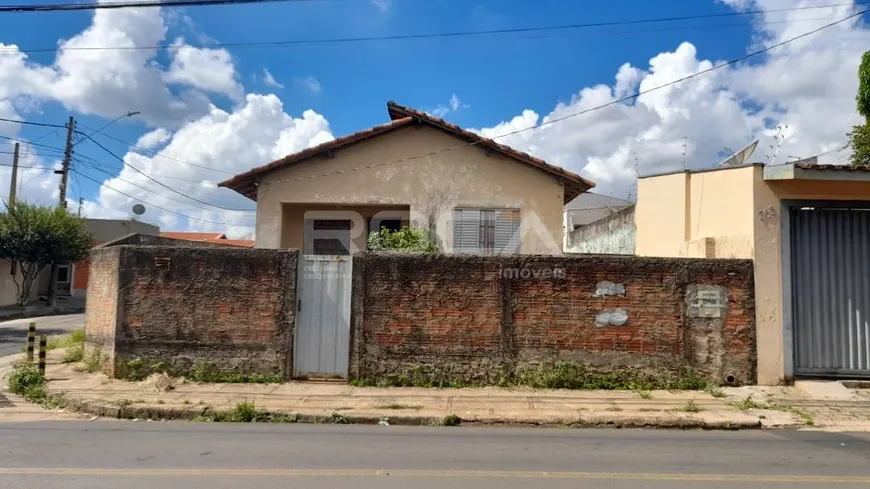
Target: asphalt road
x,y
13,334
112,454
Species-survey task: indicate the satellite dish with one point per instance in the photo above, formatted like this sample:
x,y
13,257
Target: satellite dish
x,y
739,157
138,209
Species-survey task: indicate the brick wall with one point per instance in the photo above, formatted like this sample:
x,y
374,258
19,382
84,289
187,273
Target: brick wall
x,y
472,318
102,305
181,306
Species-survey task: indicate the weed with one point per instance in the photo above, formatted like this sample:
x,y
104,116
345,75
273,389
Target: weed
x,y
805,416
73,354
715,392
246,412
93,362
402,406
335,418
187,401
614,408
25,377
746,404
643,394
161,401
122,402
76,337
451,420
691,407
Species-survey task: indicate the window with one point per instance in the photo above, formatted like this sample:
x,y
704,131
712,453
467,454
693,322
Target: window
x,y
327,236
376,223
486,231
63,274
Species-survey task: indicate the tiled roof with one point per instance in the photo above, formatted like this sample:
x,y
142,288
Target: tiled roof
x,y
192,236
816,166
243,243
245,183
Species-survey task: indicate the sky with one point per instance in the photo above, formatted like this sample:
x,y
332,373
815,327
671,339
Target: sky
x,y
222,89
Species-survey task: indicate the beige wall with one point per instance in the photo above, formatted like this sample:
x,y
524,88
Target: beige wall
x,y
701,214
292,228
431,185
8,290
734,213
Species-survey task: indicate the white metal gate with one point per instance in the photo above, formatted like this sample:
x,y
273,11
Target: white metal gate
x,y
830,275
322,344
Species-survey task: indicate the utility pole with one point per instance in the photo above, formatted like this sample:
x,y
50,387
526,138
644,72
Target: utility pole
x,y
13,187
67,156
64,176
81,202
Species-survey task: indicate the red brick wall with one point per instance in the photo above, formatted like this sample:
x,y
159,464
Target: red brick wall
x,y
82,272
473,317
230,306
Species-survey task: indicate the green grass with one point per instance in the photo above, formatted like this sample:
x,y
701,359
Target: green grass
x,y
715,392
138,369
73,354
691,407
76,337
746,404
451,420
246,412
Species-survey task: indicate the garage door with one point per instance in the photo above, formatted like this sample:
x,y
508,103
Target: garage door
x,y
831,291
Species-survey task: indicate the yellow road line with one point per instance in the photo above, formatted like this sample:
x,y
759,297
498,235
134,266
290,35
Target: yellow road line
x,y
434,473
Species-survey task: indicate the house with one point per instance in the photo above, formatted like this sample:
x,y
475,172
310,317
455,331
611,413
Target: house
x,y
807,228
596,223
473,194
216,238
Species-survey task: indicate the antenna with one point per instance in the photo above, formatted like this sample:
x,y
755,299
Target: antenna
x,y
778,139
685,145
739,157
138,209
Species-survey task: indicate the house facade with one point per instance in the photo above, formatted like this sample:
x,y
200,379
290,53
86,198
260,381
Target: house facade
x,y
807,228
474,195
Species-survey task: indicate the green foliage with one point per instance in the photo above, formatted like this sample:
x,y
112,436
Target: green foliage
x,y
408,240
75,338
202,371
746,404
33,236
73,354
859,140
25,378
863,97
247,412
691,407
451,420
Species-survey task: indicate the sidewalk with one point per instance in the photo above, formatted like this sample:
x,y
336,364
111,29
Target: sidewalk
x,y
793,407
65,305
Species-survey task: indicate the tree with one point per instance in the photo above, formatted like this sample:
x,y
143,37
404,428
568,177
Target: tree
x,y
407,240
33,237
859,138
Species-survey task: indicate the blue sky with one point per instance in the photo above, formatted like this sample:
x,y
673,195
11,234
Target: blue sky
x,y
494,78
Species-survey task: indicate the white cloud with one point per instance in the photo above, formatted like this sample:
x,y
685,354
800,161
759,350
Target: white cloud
x,y
269,80
453,105
808,85
207,69
382,5
153,139
220,145
309,83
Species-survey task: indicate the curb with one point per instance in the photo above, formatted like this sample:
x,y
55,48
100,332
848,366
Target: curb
x,y
26,315
193,412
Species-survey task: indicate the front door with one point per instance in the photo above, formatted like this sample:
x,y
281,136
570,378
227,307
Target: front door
x,y
322,343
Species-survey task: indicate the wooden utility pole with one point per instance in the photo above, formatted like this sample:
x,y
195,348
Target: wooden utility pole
x,y
64,177
67,156
14,186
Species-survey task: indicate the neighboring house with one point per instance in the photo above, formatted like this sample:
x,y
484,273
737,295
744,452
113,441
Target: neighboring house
x,y
590,207
611,235
473,194
216,238
807,228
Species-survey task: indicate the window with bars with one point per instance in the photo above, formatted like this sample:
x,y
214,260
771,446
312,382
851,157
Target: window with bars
x,y
486,231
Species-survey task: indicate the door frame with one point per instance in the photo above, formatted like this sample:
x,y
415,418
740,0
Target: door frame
x,y
296,324
787,264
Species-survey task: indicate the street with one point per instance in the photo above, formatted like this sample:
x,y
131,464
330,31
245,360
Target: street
x,y
13,334
109,454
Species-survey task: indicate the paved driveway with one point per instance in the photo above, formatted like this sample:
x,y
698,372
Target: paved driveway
x,y
13,334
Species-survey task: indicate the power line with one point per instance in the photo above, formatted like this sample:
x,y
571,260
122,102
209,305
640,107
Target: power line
x,y
24,166
161,183
118,177
103,184
458,34
155,153
66,7
591,109
97,163
32,123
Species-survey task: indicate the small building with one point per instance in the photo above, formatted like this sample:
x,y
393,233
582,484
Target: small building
x,y
216,238
474,195
807,228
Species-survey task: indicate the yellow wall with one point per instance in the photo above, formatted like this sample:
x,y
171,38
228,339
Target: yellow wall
x,y
432,185
702,214
733,213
